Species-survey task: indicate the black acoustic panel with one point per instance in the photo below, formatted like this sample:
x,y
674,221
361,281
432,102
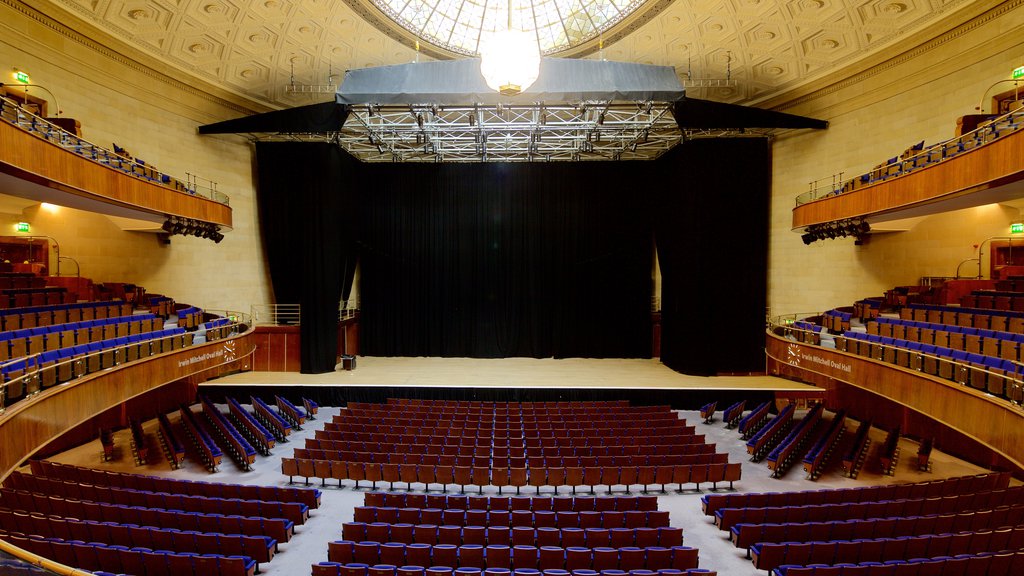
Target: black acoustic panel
x,y
312,119
694,113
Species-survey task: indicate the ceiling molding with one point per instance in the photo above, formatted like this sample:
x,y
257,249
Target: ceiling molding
x,y
126,55
935,36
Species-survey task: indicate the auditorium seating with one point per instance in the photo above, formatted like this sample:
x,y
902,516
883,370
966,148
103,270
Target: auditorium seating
x,y
239,448
707,412
752,422
768,556
271,419
711,503
49,469
780,458
140,447
918,156
762,442
1005,563
295,512
172,445
530,444
745,535
732,414
259,548
854,457
520,532
208,450
817,456
263,440
280,529
136,560
889,452
290,412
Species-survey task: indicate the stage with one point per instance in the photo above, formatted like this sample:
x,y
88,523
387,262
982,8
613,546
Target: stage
x,y
643,381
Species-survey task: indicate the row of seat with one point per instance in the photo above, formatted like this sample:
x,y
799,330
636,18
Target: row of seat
x,y
998,320
483,447
733,413
25,341
31,374
1006,563
265,441
294,511
518,556
34,316
259,548
289,411
817,456
997,376
994,299
409,474
711,503
771,555
174,446
208,449
532,519
666,536
753,420
83,475
604,424
726,518
189,317
745,535
22,297
270,418
356,569
765,439
280,529
340,450
621,503
123,560
975,340
791,446
238,446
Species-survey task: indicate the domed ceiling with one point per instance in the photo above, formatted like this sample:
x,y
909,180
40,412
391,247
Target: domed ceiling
x,y
256,48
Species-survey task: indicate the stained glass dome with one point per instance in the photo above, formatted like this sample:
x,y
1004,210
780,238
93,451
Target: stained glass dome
x,y
461,25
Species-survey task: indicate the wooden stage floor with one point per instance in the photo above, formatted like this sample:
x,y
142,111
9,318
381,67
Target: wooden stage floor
x,y
513,373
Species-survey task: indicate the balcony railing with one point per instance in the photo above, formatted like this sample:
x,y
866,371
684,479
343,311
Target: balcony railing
x,y
837,184
192,185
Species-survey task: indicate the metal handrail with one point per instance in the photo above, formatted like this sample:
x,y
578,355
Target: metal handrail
x,y
833,185
13,113
290,314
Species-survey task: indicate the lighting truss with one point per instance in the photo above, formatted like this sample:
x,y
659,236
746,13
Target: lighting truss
x,y
537,132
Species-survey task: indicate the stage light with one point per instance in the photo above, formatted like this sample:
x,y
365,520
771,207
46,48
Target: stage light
x,y
167,226
808,238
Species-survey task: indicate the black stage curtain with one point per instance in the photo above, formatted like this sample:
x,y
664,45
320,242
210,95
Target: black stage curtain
x,y
307,219
505,260
712,238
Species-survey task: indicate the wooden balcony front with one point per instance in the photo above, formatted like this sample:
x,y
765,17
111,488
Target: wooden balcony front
x,y
990,170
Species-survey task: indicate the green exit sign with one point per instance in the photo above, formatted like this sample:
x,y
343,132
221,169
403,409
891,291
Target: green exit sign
x,y
1018,73
1017,228
21,77
23,227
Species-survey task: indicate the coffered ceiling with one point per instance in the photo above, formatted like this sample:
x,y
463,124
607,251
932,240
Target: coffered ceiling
x,y
256,47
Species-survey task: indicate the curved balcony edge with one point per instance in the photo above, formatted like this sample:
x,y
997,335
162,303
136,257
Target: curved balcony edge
x,y
982,175
972,419
30,424
44,164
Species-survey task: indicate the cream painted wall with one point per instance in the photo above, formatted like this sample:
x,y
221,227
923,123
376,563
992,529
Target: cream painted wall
x,y
155,118
874,116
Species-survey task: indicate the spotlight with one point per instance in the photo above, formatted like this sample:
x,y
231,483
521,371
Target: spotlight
x,y
864,227
808,238
168,225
